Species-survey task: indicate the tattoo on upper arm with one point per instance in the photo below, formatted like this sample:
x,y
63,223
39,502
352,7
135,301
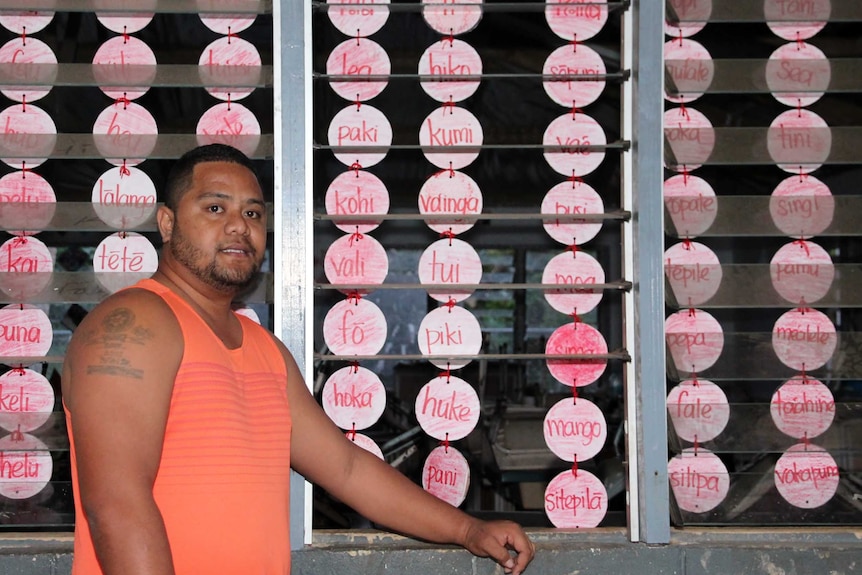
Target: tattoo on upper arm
x,y
117,331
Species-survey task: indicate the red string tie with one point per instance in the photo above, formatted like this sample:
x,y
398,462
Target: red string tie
x,y
124,169
355,236
23,102
451,105
575,110
687,245
356,166
691,312
574,43
575,179
351,435
23,35
19,241
683,111
575,466
576,319
448,234
354,367
575,391
354,296
696,445
230,34
804,245
19,370
447,374
574,249
450,303
17,435
125,36
450,170
24,170
445,443
123,100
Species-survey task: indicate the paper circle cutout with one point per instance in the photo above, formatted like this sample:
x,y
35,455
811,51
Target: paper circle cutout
x,y
691,138
355,193
353,398
357,127
698,409
572,269
455,135
360,20
453,262
575,339
34,61
365,443
230,68
695,340
224,22
574,60
691,203
446,475
801,272
575,429
450,57
804,339
447,408
27,466
27,400
692,17
358,260
802,407
28,264
693,272
450,195
806,476
127,22
354,327
122,259
124,200
451,18
29,136
699,480
568,136
569,199
124,67
690,69
29,21
232,124
799,141
449,330
125,134
576,500
358,57
802,206
27,200
26,331
798,74
577,20
813,16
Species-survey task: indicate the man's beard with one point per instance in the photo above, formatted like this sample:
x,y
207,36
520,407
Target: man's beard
x,y
223,279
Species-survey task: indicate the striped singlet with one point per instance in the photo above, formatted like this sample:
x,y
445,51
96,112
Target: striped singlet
x,y
223,480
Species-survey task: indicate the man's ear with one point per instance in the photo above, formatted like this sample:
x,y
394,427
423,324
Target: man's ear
x,y
165,221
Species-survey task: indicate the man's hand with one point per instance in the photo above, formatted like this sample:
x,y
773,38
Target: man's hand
x,y
495,539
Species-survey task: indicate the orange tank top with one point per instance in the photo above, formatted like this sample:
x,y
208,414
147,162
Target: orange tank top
x,y
223,480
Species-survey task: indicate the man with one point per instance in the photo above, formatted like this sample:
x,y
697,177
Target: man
x,y
185,417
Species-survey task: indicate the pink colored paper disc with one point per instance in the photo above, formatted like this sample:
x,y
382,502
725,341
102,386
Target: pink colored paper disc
x,y
802,407
699,480
576,338
798,74
690,136
698,409
446,475
29,136
357,260
447,408
576,500
451,137
125,134
802,206
568,199
450,18
27,331
567,61
575,429
124,199
354,327
452,262
693,272
232,124
353,19
690,17
26,21
452,197
222,16
804,339
357,193
799,141
576,20
570,269
365,443
781,17
806,476
569,137
358,57
34,61
27,400
358,127
450,331
27,466
122,259
691,203
230,68
802,272
354,398
446,58
690,69
28,266
26,200
124,22
124,67
695,340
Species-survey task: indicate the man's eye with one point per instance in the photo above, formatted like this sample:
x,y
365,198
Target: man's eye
x,y
253,214
214,209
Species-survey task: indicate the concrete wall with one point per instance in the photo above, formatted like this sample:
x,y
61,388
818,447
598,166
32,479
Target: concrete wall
x,y
792,551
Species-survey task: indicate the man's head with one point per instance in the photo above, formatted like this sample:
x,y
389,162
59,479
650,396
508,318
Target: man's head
x,y
180,177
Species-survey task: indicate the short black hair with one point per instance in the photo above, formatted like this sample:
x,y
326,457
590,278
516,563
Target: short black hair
x,y
180,176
